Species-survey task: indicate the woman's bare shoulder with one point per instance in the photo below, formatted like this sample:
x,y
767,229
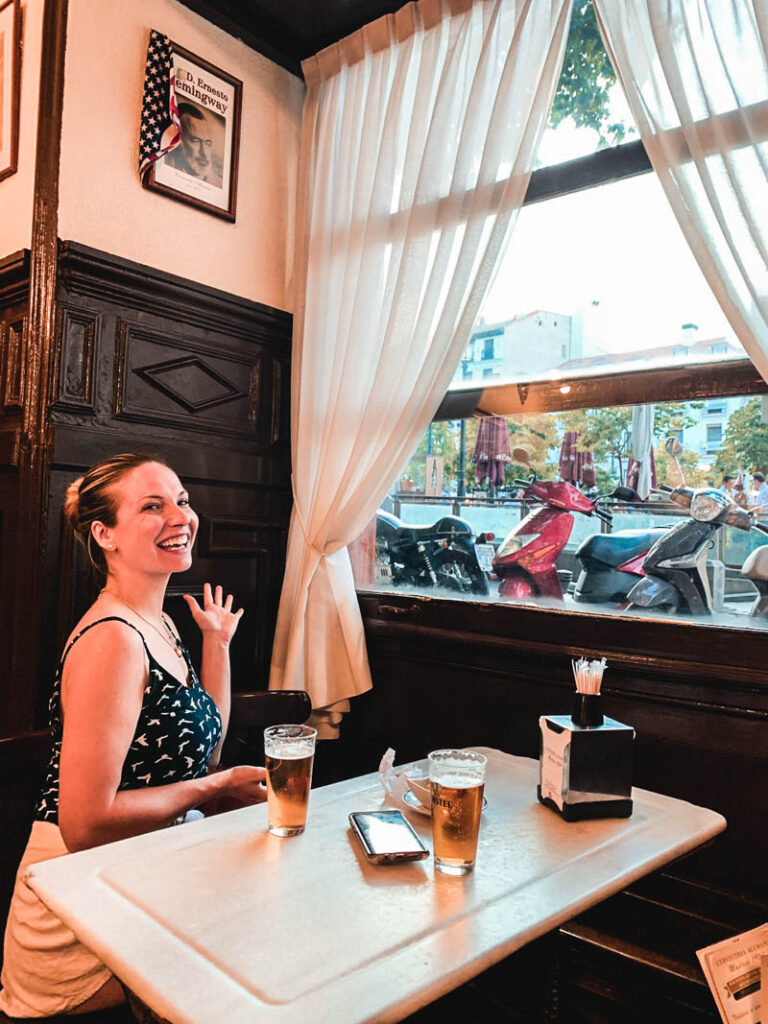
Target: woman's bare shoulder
x,y
111,646
103,626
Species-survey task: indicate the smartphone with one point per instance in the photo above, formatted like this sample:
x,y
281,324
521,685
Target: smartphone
x,y
387,837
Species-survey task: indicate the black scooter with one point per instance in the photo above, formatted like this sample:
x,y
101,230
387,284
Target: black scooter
x,y
440,555
676,566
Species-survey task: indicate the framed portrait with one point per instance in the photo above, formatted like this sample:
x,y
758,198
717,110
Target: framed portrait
x,y
10,85
202,169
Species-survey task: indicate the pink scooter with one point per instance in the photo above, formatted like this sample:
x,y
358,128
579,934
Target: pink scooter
x,y
526,560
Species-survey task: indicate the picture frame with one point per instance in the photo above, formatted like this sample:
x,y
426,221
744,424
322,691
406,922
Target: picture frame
x,y
202,170
10,85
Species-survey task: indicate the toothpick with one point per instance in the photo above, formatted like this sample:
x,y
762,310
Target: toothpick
x,y
588,674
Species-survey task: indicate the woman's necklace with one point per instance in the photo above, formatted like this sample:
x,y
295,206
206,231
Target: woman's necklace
x,y
169,636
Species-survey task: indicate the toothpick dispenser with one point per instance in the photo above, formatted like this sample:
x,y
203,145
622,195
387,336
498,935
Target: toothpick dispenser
x,y
585,765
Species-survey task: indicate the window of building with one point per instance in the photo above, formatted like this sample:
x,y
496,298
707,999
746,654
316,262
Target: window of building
x,y
599,321
488,348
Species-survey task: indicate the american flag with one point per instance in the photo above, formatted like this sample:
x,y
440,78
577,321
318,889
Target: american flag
x,y
160,125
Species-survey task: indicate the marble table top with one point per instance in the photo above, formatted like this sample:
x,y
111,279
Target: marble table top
x,y
218,920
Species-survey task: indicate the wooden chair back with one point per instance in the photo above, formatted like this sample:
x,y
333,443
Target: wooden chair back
x,y
252,713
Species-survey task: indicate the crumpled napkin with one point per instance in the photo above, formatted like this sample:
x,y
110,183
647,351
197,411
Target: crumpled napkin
x,y
396,783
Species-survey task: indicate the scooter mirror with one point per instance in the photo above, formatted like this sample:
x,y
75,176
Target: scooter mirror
x,y
521,456
673,446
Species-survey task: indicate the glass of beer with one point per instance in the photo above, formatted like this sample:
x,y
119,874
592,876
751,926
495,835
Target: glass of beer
x,y
289,751
457,781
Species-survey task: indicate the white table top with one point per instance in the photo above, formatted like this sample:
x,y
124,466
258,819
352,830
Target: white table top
x,y
218,920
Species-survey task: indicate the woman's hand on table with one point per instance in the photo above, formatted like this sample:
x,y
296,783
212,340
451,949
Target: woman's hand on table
x,y
240,786
215,619
245,783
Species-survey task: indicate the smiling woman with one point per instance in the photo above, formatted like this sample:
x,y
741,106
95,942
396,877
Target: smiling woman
x,y
135,733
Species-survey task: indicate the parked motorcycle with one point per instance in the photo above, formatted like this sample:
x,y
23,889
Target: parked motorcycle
x,y
612,563
676,577
440,555
526,559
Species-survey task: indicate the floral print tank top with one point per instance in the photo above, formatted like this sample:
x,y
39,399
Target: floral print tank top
x,y
176,733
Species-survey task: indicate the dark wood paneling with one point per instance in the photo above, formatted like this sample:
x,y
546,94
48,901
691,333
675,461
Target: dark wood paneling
x,y
14,305
13,366
286,33
150,362
78,338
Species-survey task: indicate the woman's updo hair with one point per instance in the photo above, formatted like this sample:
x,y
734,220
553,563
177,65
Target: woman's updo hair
x,y
91,499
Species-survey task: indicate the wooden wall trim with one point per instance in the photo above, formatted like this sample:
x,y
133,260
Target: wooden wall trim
x,y
678,648
684,382
39,363
88,271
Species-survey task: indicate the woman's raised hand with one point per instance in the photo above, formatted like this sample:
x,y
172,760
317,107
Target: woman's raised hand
x,y
216,618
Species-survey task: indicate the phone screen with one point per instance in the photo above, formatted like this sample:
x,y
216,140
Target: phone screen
x,y
387,834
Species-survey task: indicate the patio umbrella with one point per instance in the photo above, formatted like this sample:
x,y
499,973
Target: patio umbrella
x,y
574,465
492,452
641,468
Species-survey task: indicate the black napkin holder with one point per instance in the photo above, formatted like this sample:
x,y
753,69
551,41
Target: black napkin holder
x,y
585,762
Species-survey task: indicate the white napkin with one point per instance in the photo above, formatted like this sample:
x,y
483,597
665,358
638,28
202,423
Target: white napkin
x,y
394,783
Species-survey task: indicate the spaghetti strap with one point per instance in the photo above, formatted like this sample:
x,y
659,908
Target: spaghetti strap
x,y
107,618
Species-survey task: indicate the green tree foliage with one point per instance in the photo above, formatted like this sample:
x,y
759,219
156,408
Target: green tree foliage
x,y
583,92
745,445
607,434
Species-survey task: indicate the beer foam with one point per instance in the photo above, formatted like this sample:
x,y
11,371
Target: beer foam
x,y
456,780
289,751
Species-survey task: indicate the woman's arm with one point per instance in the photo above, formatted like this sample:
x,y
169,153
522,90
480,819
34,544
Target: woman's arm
x,y
102,690
217,622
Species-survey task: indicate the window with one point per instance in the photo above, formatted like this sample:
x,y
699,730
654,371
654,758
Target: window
x,y
488,348
601,303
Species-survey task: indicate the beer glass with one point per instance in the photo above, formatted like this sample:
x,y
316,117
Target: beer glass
x,y
289,751
457,781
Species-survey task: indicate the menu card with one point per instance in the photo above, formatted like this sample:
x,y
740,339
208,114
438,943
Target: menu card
x,y
732,969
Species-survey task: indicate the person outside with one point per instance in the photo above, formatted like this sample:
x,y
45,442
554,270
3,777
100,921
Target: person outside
x,y
760,505
136,736
728,486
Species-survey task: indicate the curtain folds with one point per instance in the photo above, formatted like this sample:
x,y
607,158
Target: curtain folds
x,y
695,74
419,135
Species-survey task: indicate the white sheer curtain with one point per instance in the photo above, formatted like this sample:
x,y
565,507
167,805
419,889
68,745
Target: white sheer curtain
x,y
419,136
695,75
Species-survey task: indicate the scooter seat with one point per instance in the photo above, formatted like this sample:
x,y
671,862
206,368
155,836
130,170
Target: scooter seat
x,y
756,565
616,548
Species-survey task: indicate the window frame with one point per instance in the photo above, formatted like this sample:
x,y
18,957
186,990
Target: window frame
x,y
688,381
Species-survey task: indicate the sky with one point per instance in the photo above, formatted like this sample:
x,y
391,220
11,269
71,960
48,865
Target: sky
x,y
613,254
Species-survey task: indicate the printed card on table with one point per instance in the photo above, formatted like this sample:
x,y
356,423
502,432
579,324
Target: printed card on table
x,y
732,969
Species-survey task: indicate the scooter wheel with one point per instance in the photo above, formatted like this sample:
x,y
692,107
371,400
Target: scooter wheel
x,y
519,589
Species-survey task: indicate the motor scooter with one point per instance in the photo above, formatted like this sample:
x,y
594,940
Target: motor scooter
x,y
526,559
440,555
612,563
676,577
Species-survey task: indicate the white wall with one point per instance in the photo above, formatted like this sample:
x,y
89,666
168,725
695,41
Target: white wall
x,y
17,191
102,203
